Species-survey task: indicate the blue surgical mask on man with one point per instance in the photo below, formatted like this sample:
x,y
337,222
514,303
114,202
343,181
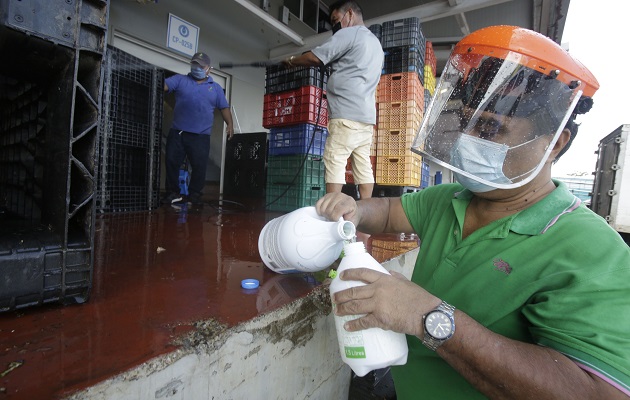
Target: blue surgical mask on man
x,y
482,158
197,72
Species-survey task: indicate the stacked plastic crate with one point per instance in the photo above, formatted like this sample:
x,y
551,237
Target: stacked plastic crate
x,y
430,80
246,165
400,98
296,112
50,106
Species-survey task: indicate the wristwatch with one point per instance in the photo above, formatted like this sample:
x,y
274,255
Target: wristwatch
x,y
439,325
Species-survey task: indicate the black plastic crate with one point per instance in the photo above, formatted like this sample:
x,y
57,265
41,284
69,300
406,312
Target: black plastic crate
x,y
245,170
247,147
37,269
392,191
404,59
403,32
377,30
245,180
50,104
281,79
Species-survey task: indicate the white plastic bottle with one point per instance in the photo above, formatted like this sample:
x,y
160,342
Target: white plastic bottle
x,y
303,241
368,349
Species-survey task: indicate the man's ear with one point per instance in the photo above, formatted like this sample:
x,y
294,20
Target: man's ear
x,y
563,140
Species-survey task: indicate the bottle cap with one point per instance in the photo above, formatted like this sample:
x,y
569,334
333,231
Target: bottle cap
x,y
249,283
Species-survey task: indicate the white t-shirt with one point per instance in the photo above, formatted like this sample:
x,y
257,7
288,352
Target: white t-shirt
x,y
356,57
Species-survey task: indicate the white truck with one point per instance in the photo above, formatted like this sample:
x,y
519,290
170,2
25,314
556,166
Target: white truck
x,y
611,187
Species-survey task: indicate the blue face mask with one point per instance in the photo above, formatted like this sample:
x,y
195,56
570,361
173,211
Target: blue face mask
x,y
197,73
482,158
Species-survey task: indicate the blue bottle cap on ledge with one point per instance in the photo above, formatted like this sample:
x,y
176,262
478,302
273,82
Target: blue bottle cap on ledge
x,y
249,283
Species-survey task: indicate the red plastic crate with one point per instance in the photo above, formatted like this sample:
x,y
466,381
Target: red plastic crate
x,y
399,171
298,106
350,175
430,59
402,86
400,115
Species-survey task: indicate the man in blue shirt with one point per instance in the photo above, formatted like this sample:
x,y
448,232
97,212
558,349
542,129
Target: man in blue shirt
x,y
196,97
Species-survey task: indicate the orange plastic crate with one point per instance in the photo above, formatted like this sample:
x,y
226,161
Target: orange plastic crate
x,y
399,171
395,142
400,115
374,141
402,86
430,59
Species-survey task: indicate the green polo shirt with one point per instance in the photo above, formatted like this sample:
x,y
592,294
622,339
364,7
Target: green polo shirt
x,y
555,274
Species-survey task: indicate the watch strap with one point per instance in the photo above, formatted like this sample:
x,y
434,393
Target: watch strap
x,y
429,341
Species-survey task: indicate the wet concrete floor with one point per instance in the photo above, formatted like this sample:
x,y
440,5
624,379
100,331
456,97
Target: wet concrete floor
x,y
155,274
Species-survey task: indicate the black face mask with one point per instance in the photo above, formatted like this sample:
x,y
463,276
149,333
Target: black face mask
x,y
336,27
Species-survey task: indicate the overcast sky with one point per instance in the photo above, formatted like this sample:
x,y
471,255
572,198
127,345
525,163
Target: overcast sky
x,y
597,34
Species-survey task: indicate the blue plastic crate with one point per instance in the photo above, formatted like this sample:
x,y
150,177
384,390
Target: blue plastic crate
x,y
425,175
295,139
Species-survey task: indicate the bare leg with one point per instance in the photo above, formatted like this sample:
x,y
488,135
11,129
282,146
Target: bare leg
x,y
333,187
365,190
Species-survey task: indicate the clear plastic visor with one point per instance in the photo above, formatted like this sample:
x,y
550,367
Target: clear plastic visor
x,y
494,120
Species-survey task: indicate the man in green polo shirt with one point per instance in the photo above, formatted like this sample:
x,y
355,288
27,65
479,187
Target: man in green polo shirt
x,y
519,290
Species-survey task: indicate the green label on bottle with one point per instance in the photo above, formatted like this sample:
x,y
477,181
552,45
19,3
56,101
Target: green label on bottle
x,y
355,352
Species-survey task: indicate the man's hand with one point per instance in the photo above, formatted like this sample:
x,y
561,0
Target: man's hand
x,y
230,132
388,302
336,205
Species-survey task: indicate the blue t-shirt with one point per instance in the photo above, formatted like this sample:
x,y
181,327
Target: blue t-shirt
x,y
195,103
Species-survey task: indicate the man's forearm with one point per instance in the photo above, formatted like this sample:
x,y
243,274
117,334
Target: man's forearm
x,y
502,368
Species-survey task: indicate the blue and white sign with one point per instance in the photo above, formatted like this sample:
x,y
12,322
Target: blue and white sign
x,y
182,36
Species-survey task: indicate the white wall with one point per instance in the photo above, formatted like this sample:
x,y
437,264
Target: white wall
x,y
148,23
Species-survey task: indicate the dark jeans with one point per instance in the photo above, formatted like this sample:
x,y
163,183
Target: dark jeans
x,y
197,149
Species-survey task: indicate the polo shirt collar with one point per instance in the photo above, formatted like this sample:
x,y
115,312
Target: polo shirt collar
x,y
534,220
209,80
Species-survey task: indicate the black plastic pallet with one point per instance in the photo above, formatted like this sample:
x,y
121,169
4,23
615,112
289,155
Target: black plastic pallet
x,y
50,107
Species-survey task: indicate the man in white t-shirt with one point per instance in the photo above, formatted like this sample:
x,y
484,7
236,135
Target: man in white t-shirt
x,y
356,58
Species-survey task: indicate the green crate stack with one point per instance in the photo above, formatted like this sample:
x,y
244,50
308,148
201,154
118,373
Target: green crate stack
x,y
287,189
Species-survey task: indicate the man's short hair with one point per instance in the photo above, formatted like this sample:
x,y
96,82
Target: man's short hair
x,y
344,5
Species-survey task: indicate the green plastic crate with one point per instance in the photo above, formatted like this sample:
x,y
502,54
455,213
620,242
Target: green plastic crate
x,y
283,170
278,198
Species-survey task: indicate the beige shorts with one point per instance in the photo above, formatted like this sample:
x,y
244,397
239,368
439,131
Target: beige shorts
x,y
348,138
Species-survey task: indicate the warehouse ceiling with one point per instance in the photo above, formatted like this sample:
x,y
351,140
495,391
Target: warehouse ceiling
x,y
245,24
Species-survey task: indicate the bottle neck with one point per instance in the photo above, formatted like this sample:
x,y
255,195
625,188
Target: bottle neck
x,y
350,249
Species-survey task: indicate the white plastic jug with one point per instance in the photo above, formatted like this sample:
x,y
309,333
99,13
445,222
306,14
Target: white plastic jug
x,y
368,349
303,241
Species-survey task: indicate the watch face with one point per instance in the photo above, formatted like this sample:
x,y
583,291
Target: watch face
x,y
438,325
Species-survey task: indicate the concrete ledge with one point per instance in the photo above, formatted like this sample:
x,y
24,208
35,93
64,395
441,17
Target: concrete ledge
x,y
290,353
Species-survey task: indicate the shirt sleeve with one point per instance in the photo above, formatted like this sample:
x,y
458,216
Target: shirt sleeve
x,y
584,312
172,82
334,47
221,100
